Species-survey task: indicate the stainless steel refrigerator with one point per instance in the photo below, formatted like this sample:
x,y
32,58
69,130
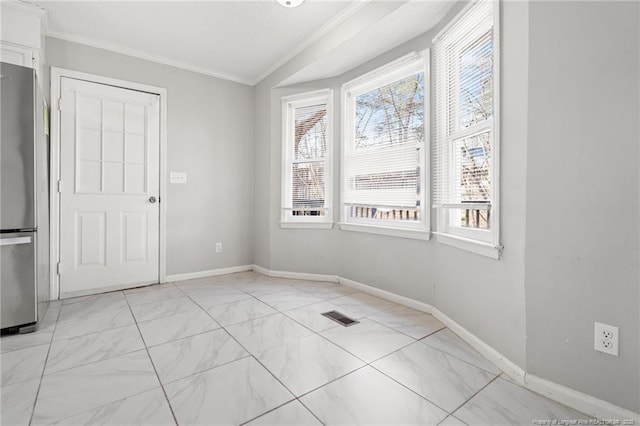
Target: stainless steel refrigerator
x,y
24,200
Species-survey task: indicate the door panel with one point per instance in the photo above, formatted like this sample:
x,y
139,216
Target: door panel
x,y
110,158
90,235
134,237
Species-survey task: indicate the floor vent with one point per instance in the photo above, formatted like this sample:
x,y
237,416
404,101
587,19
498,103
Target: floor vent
x,y
340,318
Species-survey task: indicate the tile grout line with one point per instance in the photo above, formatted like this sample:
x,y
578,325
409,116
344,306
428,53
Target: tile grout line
x,y
476,393
295,397
98,331
369,364
309,409
44,366
366,364
402,332
104,405
92,362
89,334
298,398
135,322
200,333
456,356
166,397
195,373
258,361
449,413
398,350
426,399
313,332
276,408
412,391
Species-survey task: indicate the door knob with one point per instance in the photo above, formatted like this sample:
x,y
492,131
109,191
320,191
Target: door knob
x,y
152,199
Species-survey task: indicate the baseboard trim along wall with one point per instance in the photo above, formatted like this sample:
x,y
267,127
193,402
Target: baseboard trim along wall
x,y
383,294
211,273
582,402
510,368
295,275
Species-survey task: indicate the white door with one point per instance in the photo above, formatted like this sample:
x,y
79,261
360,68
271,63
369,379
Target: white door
x,y
109,168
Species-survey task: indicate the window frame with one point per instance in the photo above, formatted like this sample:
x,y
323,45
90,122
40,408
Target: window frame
x,y
480,241
401,68
289,106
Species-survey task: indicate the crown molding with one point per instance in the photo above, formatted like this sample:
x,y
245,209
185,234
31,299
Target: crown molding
x,y
25,7
317,35
146,56
329,26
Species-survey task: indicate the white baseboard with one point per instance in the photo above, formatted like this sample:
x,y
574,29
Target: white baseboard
x,y
503,363
579,401
383,294
210,273
295,275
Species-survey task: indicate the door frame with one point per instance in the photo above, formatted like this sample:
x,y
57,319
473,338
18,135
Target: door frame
x,y
54,147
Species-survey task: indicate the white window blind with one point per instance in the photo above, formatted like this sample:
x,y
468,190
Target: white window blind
x,y
464,150
384,147
306,146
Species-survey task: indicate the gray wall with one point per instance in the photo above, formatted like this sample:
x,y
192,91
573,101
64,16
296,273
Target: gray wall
x,y
210,136
569,202
582,195
570,185
484,295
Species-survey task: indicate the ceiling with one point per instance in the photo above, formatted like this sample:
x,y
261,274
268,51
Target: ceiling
x,y
407,21
243,40
237,40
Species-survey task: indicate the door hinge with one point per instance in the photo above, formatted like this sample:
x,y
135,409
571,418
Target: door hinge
x,y
58,268
59,104
60,186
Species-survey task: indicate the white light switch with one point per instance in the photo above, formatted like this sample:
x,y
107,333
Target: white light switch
x,y
178,177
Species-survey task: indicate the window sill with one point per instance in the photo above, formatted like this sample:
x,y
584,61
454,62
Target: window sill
x,y
413,234
306,225
479,247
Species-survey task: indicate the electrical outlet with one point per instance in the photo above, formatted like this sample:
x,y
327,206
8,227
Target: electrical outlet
x,y
218,247
607,334
605,338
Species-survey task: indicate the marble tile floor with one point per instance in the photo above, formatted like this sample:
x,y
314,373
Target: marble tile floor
x,y
249,349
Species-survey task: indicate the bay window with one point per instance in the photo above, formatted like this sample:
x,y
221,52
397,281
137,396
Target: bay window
x,y
383,151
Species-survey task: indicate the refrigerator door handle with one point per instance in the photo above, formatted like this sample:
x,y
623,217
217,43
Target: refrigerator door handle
x,y
15,241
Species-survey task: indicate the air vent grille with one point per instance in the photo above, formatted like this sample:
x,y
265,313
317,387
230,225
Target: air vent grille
x,y
340,318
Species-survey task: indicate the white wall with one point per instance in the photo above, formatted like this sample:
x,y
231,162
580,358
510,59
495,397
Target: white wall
x,y
210,136
582,195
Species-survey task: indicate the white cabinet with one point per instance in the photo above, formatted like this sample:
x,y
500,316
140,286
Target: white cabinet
x,y
16,54
22,34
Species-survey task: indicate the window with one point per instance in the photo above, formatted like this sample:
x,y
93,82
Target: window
x,y
383,162
306,192
465,152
